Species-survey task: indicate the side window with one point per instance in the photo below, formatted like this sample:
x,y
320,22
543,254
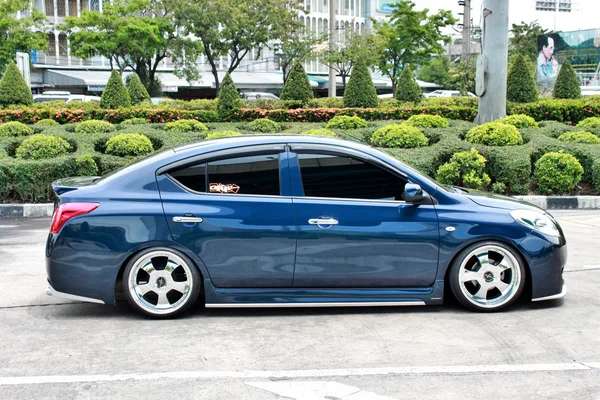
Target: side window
x,y
257,174
348,178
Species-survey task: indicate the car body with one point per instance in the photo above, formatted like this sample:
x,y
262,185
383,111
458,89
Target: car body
x,y
258,95
63,96
270,221
445,93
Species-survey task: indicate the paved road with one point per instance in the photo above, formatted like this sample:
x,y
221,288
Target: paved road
x,y
66,350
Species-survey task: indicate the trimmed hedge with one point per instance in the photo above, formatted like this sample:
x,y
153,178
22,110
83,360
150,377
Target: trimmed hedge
x,y
128,145
185,125
134,121
222,134
567,83
427,121
115,94
557,173
579,137
521,86
264,125
590,123
402,136
407,88
94,126
229,98
15,129
13,88
495,134
360,91
297,86
137,91
465,169
46,122
320,132
38,147
346,122
519,121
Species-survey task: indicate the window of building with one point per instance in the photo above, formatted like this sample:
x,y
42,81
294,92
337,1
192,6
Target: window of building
x,y
51,44
95,5
63,45
335,176
61,8
49,5
73,8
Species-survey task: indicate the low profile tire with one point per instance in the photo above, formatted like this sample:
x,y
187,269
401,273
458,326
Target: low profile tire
x,y
161,282
487,276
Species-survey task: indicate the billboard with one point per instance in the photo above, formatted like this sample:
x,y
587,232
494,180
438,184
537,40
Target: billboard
x,y
580,48
385,6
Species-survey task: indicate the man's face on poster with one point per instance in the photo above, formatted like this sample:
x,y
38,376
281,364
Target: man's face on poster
x,y
548,50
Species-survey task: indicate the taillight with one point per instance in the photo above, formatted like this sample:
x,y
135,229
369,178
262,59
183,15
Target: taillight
x,y
66,211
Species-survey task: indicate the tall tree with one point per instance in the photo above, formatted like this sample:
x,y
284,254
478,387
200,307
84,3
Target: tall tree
x,y
523,40
19,34
296,45
409,36
436,71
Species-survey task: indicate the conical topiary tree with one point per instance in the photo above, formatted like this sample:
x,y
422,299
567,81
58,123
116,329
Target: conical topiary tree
x,y
297,86
521,87
407,88
567,83
137,91
360,91
13,88
229,98
115,94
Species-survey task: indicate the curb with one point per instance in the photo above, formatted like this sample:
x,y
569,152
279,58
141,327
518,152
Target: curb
x,y
545,202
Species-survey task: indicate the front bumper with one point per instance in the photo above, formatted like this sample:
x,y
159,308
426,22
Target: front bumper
x,y
50,291
560,295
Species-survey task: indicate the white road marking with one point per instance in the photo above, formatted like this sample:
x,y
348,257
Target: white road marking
x,y
317,390
9,226
294,374
575,268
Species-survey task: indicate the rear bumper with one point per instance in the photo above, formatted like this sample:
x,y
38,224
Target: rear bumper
x,y
50,291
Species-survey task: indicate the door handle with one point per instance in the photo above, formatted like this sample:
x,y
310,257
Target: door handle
x,y
186,219
323,221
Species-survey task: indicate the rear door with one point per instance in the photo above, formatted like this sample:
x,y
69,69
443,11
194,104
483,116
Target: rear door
x,y
235,212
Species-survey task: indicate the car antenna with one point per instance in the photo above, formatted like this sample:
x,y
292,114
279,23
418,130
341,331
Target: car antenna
x,y
361,140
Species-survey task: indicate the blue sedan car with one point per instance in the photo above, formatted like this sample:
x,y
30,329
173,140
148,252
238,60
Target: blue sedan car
x,y
294,221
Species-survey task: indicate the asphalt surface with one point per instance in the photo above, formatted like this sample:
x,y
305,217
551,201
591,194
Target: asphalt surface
x,y
59,349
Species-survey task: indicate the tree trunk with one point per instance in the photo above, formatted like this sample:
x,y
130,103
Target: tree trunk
x,y
344,82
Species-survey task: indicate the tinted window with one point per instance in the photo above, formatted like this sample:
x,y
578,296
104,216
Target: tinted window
x,y
345,177
193,178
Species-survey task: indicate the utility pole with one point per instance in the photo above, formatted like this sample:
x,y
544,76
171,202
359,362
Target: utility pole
x,y
466,33
332,40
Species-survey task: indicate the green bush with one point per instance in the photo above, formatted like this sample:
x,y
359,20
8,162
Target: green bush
x,y
521,86
519,121
129,144
345,122
567,83
14,129
137,91
222,134
427,121
510,165
596,175
297,86
319,132
86,166
185,125
590,123
465,169
579,137
115,94
326,102
94,126
557,173
134,121
192,105
401,136
499,188
407,88
47,122
38,147
13,88
229,99
495,134
360,91
264,125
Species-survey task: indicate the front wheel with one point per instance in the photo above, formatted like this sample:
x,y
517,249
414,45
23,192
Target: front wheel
x,y
487,276
161,282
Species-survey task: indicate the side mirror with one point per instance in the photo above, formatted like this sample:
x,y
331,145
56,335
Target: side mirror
x,y
413,193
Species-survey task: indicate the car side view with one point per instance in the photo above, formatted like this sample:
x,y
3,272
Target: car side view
x,y
294,221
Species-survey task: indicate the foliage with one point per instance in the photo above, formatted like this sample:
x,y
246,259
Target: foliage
x,y
115,94
437,71
264,125
463,76
46,122
360,91
569,111
409,37
521,86
345,122
402,136
519,121
524,40
14,129
298,44
590,123
495,134
557,173
427,121
579,137
222,134
407,88
320,132
326,102
499,187
137,91
86,165
297,86
128,144
37,147
134,121
465,169
13,88
185,125
567,83
229,99
94,126
596,174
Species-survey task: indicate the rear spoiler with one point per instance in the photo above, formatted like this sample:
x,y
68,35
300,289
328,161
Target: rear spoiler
x,y
65,185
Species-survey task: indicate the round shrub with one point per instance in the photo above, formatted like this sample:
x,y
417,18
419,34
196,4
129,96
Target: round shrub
x,y
14,129
579,137
590,123
86,166
134,121
319,132
396,135
38,147
46,122
557,173
346,122
185,125
128,144
264,125
519,121
222,134
94,126
499,188
465,169
427,121
495,134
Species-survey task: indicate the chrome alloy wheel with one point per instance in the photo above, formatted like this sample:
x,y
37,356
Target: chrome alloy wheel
x,y
160,282
489,276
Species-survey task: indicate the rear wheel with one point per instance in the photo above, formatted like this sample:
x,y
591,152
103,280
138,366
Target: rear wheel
x,y
487,276
161,282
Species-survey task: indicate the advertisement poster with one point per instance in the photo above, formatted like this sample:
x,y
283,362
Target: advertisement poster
x,y
385,6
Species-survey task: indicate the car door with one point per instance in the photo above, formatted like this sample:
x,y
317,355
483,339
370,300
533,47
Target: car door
x,y
354,229
235,212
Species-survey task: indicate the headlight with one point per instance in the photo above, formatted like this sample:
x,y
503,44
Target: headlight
x,y
537,221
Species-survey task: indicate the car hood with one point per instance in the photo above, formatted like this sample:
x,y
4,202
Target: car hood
x,y
486,199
